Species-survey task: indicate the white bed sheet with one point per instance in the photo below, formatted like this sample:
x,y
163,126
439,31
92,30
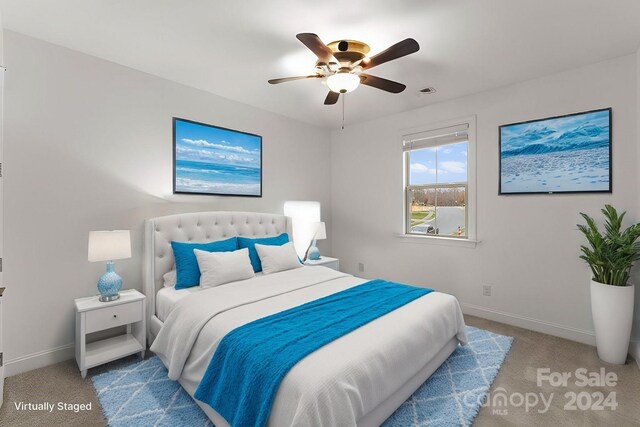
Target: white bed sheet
x,y
338,384
168,297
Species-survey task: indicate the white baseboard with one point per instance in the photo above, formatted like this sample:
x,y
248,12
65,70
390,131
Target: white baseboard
x,y
634,351
39,359
537,325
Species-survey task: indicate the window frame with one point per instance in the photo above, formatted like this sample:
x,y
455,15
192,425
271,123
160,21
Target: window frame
x,y
470,185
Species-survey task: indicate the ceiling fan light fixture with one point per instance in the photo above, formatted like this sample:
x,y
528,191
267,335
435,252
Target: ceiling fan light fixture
x,y
343,82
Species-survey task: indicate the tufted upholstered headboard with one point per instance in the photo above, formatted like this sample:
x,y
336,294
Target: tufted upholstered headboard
x,y
197,227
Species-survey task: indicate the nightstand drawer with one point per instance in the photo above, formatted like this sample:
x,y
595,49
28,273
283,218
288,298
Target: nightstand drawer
x,y
110,317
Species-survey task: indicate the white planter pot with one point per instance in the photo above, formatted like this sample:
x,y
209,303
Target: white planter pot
x,y
612,310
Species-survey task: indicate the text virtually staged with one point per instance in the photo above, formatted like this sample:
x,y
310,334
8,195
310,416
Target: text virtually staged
x,y
52,406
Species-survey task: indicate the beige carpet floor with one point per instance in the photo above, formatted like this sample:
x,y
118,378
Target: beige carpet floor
x,y
530,351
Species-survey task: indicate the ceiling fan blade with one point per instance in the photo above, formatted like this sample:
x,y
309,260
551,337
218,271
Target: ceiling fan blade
x,y
332,98
289,79
313,42
398,50
380,83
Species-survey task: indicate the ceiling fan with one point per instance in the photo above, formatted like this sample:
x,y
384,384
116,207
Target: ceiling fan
x,y
343,64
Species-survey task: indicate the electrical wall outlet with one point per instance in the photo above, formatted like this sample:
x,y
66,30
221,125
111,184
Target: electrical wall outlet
x,y
361,267
486,290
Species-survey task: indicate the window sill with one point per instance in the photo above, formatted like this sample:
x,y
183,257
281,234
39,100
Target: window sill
x,y
438,240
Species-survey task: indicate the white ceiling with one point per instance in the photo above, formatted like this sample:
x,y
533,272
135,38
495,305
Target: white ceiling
x,y
233,48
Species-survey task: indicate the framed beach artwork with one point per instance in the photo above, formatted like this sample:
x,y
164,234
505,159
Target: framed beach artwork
x,y
213,160
564,154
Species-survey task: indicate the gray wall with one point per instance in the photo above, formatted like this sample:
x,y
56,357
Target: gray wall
x,y
2,321
88,146
635,335
529,244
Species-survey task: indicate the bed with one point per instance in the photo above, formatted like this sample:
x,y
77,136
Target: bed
x,y
359,379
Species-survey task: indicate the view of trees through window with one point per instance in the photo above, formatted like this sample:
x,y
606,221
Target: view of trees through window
x,y
437,190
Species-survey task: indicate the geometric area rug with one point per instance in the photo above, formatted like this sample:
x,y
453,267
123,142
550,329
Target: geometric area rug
x,y
139,394
454,393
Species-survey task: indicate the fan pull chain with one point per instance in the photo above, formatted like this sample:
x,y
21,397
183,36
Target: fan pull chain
x,y
344,95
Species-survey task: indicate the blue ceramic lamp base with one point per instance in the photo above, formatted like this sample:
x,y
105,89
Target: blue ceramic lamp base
x,y
314,254
110,284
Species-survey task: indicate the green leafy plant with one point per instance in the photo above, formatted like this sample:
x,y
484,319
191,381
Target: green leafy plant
x,y
610,255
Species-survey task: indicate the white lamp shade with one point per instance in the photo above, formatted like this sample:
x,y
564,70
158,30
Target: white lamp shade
x,y
109,245
305,216
321,231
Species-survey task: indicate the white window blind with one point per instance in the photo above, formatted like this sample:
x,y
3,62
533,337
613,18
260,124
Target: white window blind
x,y
436,137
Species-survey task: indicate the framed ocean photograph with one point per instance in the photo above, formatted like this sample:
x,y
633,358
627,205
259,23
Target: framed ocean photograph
x,y
563,154
213,160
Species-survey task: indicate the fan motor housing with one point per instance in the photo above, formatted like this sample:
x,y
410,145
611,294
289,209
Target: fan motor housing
x,y
349,50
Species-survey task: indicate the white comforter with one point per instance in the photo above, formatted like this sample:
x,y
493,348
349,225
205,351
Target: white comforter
x,y
335,385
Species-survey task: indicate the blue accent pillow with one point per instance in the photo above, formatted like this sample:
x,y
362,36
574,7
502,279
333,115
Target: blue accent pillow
x,y
249,243
187,270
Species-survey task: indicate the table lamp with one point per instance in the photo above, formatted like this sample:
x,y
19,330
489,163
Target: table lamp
x,y
320,233
303,214
109,246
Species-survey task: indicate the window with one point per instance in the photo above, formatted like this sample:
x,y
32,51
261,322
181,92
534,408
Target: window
x,y
437,181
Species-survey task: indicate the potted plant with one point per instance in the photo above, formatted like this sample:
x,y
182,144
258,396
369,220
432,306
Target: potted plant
x,y
611,255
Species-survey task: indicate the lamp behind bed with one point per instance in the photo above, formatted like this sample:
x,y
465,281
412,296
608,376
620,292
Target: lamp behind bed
x,y
305,216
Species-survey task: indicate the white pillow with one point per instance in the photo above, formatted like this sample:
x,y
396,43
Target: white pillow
x,y
218,268
170,279
278,258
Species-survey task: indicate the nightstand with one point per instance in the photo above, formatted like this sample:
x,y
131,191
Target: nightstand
x,y
324,261
93,316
